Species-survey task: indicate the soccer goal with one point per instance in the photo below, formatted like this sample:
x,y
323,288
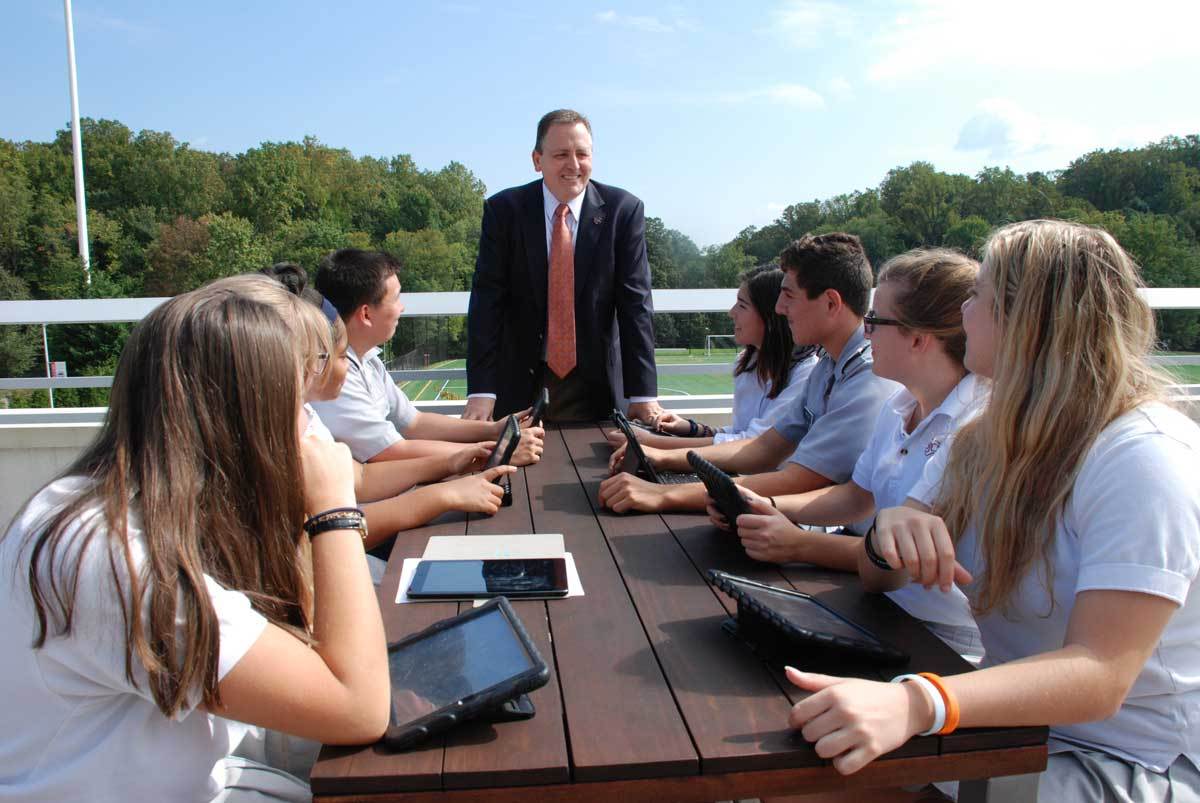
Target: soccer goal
x,y
719,343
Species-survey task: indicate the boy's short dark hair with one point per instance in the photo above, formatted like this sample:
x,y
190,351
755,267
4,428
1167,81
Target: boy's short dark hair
x,y
834,261
352,277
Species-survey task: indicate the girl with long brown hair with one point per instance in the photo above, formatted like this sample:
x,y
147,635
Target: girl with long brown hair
x,y
157,584
768,377
1069,512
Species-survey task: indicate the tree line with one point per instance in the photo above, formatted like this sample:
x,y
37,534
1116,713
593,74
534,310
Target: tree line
x,y
164,217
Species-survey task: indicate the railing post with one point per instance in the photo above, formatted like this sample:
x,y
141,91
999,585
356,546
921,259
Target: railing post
x,y
46,351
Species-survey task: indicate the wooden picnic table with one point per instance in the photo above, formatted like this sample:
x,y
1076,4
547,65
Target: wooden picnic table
x,y
649,699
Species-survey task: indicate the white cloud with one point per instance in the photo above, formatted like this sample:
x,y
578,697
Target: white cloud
x,y
774,207
808,23
1066,37
841,89
1003,128
635,22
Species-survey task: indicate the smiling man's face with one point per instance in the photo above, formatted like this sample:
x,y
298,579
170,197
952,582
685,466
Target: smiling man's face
x,y
565,160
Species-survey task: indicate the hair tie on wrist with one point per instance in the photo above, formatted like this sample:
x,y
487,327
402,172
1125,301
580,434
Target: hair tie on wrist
x,y
876,559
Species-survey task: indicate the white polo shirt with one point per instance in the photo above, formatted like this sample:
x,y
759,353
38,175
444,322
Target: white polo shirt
x,y
892,464
370,413
75,727
753,412
1131,523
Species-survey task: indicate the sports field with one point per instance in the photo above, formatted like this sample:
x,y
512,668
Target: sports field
x,y
720,381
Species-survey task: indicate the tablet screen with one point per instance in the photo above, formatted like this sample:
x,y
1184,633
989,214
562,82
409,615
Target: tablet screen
x,y
454,663
504,444
455,579
807,613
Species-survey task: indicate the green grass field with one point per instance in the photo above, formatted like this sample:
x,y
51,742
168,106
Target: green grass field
x,y
717,382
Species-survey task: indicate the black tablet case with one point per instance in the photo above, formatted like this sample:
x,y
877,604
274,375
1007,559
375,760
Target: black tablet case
x,y
401,735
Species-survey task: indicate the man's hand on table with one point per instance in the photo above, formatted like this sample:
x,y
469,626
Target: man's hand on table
x,y
646,412
479,408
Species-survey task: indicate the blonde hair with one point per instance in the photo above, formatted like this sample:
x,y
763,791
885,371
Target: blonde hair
x,y
310,331
1073,337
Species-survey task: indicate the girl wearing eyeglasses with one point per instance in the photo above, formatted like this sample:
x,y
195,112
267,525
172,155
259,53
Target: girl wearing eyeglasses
x,y
915,329
1069,511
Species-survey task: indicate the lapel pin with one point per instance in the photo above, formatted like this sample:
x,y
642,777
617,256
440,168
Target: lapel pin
x,y
597,220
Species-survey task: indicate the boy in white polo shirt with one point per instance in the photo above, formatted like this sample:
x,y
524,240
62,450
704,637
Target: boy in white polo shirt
x,y
371,415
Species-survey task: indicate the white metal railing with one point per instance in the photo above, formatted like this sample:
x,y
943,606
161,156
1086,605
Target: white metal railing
x,y
420,305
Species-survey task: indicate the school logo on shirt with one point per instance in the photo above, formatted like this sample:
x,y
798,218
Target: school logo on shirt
x,y
932,447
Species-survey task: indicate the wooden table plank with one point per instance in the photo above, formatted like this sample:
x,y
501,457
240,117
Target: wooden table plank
x,y
621,719
534,751
739,785
735,711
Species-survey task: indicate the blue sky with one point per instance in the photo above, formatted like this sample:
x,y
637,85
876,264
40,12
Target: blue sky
x,y
716,114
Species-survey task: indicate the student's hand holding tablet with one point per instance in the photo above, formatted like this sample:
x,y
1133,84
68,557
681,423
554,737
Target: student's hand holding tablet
x,y
530,447
767,534
470,459
479,493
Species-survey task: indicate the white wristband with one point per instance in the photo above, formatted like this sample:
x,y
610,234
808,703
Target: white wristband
x,y
935,697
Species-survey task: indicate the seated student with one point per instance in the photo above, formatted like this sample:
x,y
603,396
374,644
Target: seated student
x,y
371,415
826,284
157,583
915,329
380,488
768,377
1072,508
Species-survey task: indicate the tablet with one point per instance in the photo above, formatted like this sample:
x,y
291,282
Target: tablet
x,y
506,444
635,459
539,407
474,579
799,626
459,668
721,488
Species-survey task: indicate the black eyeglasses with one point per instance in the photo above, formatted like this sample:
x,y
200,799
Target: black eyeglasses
x,y
871,320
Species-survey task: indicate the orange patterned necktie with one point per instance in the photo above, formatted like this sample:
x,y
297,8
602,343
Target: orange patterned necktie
x,y
560,329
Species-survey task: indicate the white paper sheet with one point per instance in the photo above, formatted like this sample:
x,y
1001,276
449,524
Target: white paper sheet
x,y
493,547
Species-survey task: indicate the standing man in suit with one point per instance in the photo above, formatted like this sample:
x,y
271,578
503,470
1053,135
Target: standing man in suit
x,y
561,294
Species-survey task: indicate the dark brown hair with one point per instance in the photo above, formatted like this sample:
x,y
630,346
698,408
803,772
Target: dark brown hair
x,y
200,444
773,362
834,261
932,285
558,117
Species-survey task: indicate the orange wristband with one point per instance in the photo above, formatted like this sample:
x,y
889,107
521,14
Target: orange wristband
x,y
952,710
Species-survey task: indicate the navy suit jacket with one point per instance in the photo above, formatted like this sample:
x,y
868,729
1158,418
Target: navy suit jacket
x,y
506,317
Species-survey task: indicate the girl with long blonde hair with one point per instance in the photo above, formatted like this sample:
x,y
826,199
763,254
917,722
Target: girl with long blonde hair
x,y
1069,513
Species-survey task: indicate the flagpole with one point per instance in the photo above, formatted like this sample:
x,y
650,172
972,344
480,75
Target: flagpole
x,y
77,150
